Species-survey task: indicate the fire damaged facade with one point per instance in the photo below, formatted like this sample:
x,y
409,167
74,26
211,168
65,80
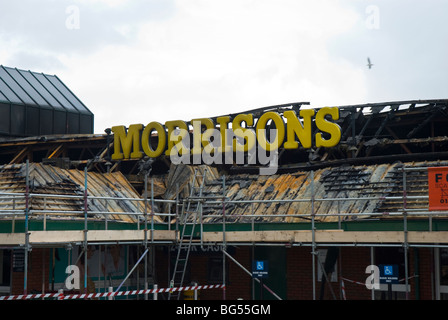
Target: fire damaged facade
x,y
346,222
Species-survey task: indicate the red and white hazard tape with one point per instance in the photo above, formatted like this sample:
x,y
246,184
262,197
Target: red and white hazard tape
x,y
363,284
61,296
352,281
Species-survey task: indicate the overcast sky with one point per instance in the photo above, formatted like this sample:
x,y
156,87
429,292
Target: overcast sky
x,y
136,61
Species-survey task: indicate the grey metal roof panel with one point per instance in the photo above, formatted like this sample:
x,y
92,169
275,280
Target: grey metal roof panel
x,y
68,94
41,89
54,92
12,84
8,93
38,89
2,97
27,87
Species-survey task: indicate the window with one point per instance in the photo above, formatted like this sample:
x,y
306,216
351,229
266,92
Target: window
x,y
5,271
215,270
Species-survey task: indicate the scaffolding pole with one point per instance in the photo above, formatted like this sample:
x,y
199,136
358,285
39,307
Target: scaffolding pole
x,y
224,245
145,244
372,262
313,236
152,234
132,270
404,243
405,228
85,230
249,273
27,236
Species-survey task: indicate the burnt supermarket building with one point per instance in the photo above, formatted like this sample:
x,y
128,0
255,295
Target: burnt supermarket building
x,y
312,230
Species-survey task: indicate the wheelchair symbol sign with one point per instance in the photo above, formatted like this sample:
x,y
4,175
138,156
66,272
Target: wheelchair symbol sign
x,y
388,270
260,269
389,273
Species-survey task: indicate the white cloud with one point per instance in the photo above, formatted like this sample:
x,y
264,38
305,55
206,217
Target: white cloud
x,y
218,57
208,58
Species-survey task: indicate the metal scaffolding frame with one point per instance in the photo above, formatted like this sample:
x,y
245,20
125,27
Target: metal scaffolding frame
x,y
149,225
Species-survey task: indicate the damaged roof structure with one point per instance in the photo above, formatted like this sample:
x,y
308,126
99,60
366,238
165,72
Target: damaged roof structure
x,y
370,189
378,142
59,193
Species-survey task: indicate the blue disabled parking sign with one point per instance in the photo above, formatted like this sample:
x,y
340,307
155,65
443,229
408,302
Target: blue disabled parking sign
x,y
388,273
260,269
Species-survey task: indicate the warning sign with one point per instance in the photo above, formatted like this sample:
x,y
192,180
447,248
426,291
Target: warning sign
x,y
438,188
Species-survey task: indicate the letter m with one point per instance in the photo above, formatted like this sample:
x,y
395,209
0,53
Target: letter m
x,y
127,141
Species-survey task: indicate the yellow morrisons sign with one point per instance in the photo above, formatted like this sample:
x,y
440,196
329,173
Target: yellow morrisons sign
x,y
240,134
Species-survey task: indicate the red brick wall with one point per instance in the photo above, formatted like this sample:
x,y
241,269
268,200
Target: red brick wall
x,y
38,264
239,282
299,273
352,264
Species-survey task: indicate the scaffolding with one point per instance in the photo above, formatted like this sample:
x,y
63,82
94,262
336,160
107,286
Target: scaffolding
x,y
169,231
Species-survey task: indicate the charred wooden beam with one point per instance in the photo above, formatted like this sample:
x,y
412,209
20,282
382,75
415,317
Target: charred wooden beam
x,y
405,148
434,113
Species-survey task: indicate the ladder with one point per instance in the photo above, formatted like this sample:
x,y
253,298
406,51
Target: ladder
x,y
187,227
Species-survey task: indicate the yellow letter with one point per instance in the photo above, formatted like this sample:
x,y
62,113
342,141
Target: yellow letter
x,y
261,133
332,128
198,140
146,139
294,128
223,126
173,138
128,141
247,134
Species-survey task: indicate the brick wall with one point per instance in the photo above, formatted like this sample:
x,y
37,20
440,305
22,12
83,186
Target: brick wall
x,y
351,265
238,284
422,282
38,264
299,273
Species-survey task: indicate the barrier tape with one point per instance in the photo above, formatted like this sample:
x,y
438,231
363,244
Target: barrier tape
x,y
352,281
61,296
363,284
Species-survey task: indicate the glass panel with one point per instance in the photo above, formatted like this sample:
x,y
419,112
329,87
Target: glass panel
x,y
5,118
42,91
47,84
8,93
73,122
86,124
27,87
15,87
46,121
63,89
32,121
59,122
18,120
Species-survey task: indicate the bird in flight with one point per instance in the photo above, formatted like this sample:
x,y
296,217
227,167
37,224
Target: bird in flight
x,y
369,64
